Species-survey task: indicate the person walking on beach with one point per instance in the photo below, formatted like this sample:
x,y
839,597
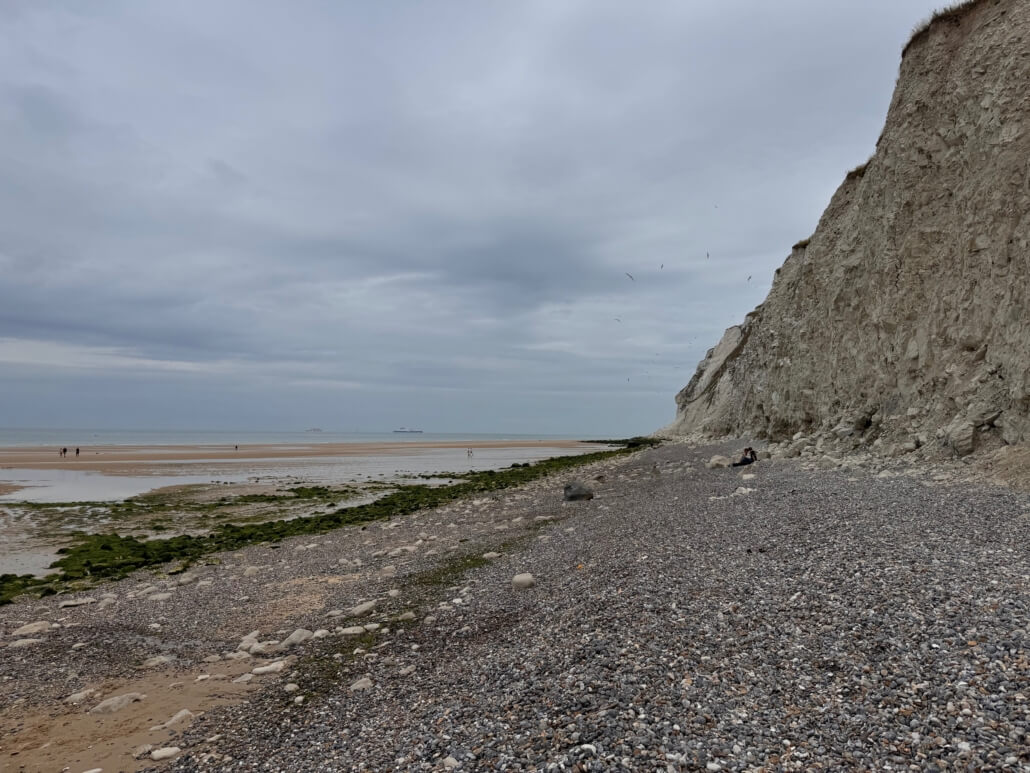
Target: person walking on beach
x,y
76,453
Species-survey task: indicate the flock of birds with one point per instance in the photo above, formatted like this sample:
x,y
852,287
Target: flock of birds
x,y
708,256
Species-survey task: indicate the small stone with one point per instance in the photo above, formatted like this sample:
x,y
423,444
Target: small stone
x,y
298,700
17,645
164,753
78,697
243,679
291,687
718,461
271,668
370,627
393,593
362,684
142,751
78,645
182,717
157,660
212,658
250,571
491,556
117,703
407,670
405,617
159,597
27,630
450,763
77,602
299,636
524,580
321,633
576,492
361,609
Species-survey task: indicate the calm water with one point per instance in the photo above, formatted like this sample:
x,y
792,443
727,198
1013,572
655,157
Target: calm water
x,y
154,437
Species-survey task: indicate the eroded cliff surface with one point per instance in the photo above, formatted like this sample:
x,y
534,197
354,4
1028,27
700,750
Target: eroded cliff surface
x,y
904,321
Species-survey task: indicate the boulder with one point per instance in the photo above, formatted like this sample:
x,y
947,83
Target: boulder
x,y
718,461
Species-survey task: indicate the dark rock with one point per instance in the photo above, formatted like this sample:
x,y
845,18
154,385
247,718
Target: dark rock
x,y
575,492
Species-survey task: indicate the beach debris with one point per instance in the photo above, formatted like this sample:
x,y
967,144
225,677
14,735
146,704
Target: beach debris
x,y
117,703
576,491
524,580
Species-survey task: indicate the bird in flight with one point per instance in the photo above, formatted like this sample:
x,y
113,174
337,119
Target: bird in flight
x,y
749,277
617,319
661,267
630,276
708,255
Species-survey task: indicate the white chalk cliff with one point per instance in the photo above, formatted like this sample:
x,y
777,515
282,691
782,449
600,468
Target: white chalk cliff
x,y
904,321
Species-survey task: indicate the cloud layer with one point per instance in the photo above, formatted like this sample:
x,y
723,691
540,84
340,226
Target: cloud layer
x,y
357,216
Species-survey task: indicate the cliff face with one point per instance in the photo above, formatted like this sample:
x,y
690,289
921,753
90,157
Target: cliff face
x,y
905,319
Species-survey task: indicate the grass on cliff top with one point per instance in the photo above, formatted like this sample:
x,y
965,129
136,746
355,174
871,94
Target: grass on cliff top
x,y
112,556
949,13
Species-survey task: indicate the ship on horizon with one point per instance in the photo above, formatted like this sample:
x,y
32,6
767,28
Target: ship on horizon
x,y
409,431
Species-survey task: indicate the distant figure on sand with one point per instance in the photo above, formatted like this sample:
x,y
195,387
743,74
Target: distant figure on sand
x,y
749,457
469,453
76,453
62,452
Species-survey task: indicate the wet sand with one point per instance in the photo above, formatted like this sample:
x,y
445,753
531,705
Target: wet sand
x,y
138,460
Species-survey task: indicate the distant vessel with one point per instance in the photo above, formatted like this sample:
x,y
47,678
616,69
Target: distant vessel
x,y
409,431
314,429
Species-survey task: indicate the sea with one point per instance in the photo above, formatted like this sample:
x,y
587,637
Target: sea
x,y
58,438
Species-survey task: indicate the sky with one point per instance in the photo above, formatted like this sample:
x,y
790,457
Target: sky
x,y
461,216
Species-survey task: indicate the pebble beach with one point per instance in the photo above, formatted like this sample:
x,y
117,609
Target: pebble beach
x,y
770,617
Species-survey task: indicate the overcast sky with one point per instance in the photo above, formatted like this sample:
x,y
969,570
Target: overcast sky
x,y
363,215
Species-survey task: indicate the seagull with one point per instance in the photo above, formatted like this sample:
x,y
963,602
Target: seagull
x,y
630,276
661,267
617,320
708,255
749,277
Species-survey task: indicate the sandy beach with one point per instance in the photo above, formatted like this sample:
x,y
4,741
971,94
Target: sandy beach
x,y
776,617
136,460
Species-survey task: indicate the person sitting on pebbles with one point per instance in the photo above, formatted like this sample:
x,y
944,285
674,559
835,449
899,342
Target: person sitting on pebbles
x,y
749,457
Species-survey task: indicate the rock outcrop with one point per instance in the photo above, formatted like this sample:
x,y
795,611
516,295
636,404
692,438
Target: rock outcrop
x,y
904,321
